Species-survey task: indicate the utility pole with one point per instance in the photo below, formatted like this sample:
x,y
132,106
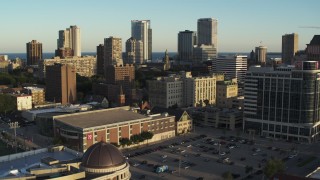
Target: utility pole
x,y
14,126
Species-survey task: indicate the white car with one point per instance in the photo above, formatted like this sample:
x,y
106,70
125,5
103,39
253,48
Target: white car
x,y
222,154
292,156
189,145
164,156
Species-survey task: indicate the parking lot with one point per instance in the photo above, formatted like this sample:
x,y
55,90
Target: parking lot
x,y
204,156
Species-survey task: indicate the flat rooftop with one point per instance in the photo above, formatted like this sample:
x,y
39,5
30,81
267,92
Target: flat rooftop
x,y
99,117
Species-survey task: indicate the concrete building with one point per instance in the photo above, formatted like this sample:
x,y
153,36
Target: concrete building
x,y
141,30
61,84
216,117
82,130
22,101
112,52
38,95
4,66
34,52
313,49
70,38
100,60
227,92
204,53
166,61
4,58
16,63
199,91
283,102
165,92
64,52
134,51
101,161
261,55
208,32
84,66
289,47
231,66
186,41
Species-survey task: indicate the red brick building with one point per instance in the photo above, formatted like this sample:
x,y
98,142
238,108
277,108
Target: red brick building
x,y
81,130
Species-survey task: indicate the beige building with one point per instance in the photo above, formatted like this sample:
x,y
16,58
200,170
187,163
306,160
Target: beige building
x,y
199,91
227,91
23,101
38,95
261,55
84,66
4,64
112,51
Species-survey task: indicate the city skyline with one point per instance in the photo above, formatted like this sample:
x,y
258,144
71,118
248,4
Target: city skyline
x,y
241,26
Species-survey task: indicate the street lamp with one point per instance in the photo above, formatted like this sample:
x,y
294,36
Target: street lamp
x,y
14,126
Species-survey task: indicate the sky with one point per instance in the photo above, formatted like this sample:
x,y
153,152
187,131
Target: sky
x,y
242,24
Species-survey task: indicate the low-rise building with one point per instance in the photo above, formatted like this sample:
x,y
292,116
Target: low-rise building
x,y
82,130
38,95
23,101
227,92
216,117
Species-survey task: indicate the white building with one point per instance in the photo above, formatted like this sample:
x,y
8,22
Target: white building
x,y
231,66
24,102
85,65
261,54
141,30
70,38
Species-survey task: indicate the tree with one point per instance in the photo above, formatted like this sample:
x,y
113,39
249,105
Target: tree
x,y
136,138
272,167
227,175
146,135
7,104
124,142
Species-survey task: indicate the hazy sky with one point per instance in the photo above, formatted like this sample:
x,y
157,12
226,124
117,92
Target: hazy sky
x,y
242,24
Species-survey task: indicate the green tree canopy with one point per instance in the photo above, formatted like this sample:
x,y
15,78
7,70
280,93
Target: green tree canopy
x,y
7,104
273,166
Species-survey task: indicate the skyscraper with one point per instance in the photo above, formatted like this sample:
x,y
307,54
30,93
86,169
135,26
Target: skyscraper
x,y
141,30
34,52
313,49
134,51
70,38
186,41
61,83
231,66
261,55
100,59
289,47
112,51
207,32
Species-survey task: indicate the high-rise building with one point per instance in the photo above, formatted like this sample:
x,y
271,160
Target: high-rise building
x,y
313,49
289,47
112,51
61,84
34,52
166,61
207,32
186,41
100,60
283,102
231,67
70,38
261,55
204,53
134,51
141,30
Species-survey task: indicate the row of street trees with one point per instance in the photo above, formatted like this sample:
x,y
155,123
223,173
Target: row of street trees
x,y
136,139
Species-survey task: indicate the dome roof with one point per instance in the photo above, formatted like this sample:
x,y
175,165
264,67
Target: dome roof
x,y
102,155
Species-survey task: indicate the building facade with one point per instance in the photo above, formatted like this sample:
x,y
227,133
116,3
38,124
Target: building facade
x,y
231,66
313,49
61,84
186,41
112,52
289,47
64,52
204,53
70,38
23,101
227,92
100,60
38,95
166,92
82,130
284,102
84,66
208,32
261,55
34,52
141,30
134,51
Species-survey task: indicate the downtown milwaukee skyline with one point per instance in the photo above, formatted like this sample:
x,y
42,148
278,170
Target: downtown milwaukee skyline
x,y
241,25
